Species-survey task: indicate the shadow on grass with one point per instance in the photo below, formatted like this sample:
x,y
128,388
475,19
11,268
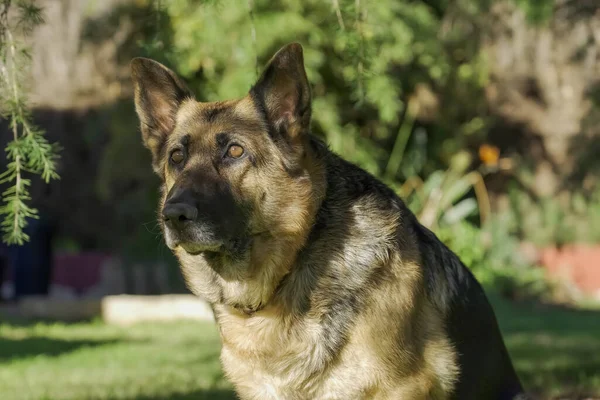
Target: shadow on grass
x,y
558,366
13,349
212,394
556,350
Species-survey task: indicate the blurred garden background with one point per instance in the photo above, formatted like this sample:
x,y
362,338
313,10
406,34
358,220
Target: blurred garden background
x,y
484,115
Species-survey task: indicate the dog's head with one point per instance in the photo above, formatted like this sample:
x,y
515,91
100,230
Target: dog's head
x,y
240,187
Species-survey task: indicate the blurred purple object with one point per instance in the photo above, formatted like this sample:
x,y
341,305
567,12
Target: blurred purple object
x,y
79,272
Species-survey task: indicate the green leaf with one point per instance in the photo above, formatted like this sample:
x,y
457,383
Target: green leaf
x,y
460,211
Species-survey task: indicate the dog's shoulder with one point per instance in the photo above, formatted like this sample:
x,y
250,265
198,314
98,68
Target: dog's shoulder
x,y
350,187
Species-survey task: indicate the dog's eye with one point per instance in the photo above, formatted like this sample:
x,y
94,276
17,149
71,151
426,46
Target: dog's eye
x,y
177,156
235,151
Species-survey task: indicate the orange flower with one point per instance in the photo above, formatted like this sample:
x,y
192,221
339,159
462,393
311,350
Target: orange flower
x,y
489,154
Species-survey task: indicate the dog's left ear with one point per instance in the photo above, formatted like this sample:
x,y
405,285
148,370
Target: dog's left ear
x,y
283,92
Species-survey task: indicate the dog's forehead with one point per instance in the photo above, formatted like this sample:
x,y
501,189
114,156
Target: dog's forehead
x,y
201,120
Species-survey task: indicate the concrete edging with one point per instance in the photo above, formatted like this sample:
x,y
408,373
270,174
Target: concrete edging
x,y
116,309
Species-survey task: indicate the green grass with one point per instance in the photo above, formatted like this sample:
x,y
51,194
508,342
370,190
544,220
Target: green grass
x,y
95,361
556,351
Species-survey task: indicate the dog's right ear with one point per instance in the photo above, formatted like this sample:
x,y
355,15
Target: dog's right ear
x,y
159,93
283,92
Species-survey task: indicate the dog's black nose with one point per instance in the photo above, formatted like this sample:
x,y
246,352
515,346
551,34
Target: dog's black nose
x,y
176,214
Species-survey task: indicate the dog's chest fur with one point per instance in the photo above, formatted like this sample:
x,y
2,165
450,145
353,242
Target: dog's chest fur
x,y
342,310
276,365
265,359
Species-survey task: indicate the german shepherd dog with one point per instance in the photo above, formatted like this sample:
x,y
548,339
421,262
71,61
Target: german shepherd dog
x,y
323,284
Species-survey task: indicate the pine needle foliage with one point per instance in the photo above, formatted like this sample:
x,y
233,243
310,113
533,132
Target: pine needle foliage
x,y
29,152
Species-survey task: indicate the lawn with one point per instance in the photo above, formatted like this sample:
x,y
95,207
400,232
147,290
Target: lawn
x,y
556,351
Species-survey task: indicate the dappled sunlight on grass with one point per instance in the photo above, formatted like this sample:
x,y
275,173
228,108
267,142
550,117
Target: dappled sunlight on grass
x,y
149,361
553,363
555,350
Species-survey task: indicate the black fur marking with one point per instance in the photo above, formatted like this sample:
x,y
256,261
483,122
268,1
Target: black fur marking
x,y
211,114
338,321
471,322
222,140
293,171
444,268
185,140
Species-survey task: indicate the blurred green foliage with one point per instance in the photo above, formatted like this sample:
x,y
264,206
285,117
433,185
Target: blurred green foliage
x,y
444,197
537,11
552,221
492,253
364,60
397,88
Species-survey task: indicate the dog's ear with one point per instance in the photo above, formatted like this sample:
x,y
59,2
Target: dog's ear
x,y
283,92
158,94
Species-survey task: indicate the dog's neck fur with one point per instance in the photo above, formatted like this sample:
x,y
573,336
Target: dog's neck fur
x,y
273,254
330,218
306,325
316,154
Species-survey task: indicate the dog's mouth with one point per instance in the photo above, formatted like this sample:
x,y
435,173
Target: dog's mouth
x,y
213,249
201,248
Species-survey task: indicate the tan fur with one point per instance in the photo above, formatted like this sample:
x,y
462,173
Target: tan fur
x,y
270,356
